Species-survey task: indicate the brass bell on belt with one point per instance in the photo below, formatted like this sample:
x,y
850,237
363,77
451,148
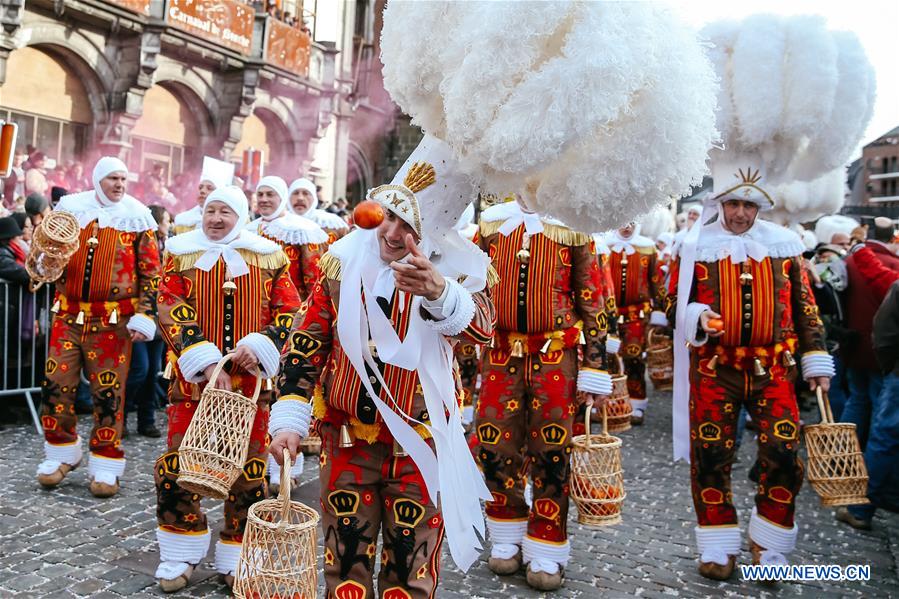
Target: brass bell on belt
x,y
80,318
524,256
757,368
346,437
713,363
517,349
93,242
546,346
581,339
56,307
398,451
169,371
229,287
114,317
623,259
789,360
268,385
621,319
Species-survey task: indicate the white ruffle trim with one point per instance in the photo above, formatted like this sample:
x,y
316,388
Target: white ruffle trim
x,y
771,536
142,324
326,220
717,543
815,364
504,550
57,455
532,549
290,415
274,468
265,351
196,359
693,332
226,557
657,318
128,215
613,345
105,470
506,532
291,229
594,381
185,548
462,315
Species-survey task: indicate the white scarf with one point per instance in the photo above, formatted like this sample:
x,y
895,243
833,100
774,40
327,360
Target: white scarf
x,y
280,188
628,245
451,473
514,216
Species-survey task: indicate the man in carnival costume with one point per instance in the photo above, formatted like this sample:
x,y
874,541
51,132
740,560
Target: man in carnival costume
x,y
215,173
303,201
225,290
377,333
105,300
744,305
638,296
303,242
549,301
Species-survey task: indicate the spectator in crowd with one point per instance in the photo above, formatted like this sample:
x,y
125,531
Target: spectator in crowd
x,y
57,176
56,194
882,450
829,279
146,356
12,252
36,207
14,184
36,176
841,240
76,180
865,379
27,228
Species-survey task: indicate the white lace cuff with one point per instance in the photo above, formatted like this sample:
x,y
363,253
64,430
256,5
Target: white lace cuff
x,y
290,415
265,351
692,330
142,324
186,548
196,358
507,532
534,549
817,363
658,319
226,557
591,380
463,309
105,470
725,539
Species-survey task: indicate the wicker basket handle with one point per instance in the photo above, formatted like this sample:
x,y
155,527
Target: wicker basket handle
x,y
33,285
587,413
649,336
218,370
620,363
284,491
824,406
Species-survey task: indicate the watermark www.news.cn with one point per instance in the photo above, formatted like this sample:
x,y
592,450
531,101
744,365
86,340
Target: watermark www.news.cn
x,y
807,572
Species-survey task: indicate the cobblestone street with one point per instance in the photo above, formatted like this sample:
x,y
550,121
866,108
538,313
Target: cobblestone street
x,y
65,543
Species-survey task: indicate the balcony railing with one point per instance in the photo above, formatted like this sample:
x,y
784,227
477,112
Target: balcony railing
x,y
887,175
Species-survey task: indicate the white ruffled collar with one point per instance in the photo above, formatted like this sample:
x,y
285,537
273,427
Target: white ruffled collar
x,y
128,215
290,229
508,210
196,241
326,220
618,243
763,239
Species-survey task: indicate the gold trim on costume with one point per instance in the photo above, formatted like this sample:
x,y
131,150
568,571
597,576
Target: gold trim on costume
x,y
271,261
558,233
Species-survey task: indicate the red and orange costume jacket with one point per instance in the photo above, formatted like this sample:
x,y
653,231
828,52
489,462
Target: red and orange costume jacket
x,y
303,243
636,278
201,320
314,355
115,272
767,305
549,296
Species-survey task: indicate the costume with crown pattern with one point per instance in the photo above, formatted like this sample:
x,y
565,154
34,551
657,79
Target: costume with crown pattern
x,y
757,283
387,398
549,301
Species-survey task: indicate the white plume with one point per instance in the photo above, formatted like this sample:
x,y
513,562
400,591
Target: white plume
x,y
595,111
659,220
836,223
793,94
806,201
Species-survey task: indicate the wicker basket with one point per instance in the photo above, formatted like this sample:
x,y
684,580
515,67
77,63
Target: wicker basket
x,y
214,448
597,480
618,408
278,554
836,466
55,240
660,360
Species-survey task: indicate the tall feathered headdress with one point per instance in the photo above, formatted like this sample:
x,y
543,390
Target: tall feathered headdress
x,y
594,111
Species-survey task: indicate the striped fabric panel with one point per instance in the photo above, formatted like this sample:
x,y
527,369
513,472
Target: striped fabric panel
x,y
505,293
105,265
731,300
209,298
542,268
762,302
75,270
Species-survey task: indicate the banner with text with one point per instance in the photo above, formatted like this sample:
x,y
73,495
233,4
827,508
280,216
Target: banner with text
x,y
226,22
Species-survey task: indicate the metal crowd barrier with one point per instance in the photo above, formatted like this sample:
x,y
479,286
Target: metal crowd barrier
x,y
25,318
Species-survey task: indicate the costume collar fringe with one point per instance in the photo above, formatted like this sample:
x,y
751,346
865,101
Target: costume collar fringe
x,y
272,261
290,229
558,233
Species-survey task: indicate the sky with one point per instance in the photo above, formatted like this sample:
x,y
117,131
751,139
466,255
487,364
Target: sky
x,y
876,23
